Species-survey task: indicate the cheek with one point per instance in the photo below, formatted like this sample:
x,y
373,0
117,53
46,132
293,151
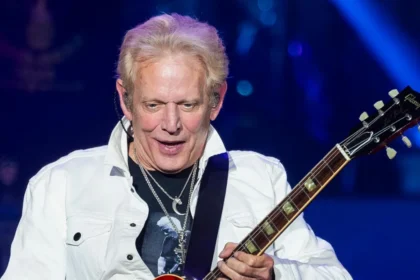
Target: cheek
x,y
197,129
147,122
195,124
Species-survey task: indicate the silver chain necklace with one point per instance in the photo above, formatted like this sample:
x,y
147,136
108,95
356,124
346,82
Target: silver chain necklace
x,y
180,251
177,199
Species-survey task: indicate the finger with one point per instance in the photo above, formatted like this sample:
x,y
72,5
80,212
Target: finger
x,y
229,272
263,261
227,250
245,270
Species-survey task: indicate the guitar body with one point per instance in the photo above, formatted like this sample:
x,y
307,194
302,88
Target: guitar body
x,y
169,277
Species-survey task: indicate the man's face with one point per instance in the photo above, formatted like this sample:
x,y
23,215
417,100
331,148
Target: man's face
x,y
171,113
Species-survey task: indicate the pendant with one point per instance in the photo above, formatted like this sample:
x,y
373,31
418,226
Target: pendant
x,y
180,251
176,202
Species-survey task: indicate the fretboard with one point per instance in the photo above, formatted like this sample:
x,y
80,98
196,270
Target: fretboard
x,y
267,231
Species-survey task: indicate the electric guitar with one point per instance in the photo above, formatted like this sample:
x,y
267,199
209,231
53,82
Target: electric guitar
x,y
374,133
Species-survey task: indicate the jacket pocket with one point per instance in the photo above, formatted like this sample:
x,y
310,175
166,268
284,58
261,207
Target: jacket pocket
x,y
87,242
80,229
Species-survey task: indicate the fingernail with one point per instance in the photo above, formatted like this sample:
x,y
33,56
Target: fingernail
x,y
235,254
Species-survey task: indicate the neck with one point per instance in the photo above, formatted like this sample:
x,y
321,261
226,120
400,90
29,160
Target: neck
x,y
135,154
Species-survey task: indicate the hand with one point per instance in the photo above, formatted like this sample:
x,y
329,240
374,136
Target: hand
x,y
245,266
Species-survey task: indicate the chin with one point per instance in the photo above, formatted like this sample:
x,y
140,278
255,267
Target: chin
x,y
170,165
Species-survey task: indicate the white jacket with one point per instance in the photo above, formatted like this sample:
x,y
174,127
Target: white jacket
x,y
89,193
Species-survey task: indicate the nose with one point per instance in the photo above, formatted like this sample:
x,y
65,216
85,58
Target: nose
x,y
171,122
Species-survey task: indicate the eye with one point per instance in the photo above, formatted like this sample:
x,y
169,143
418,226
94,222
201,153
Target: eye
x,y
188,106
152,106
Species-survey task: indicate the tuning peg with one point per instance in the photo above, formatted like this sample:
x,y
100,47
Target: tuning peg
x,y
393,93
379,105
363,116
390,152
407,141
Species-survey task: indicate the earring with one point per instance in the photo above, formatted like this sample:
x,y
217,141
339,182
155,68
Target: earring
x,y
131,129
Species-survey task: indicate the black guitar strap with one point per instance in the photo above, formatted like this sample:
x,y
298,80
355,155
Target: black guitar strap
x,y
207,216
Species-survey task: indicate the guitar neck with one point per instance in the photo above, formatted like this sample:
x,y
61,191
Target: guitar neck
x,y
267,231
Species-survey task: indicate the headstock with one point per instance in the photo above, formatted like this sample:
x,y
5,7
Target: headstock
x,y
390,121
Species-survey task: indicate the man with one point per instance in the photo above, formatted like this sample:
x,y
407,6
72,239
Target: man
x,y
99,213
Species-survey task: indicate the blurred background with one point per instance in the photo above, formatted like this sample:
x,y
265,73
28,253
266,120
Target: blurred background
x,y
301,73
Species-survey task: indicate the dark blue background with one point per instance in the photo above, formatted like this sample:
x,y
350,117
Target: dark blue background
x,y
314,67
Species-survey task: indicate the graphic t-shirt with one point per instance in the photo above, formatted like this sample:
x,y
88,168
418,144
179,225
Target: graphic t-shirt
x,y
158,240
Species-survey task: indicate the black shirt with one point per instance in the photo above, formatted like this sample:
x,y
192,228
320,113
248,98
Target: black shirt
x,y
158,239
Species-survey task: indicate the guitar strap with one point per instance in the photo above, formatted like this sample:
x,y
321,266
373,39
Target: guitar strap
x,y
207,216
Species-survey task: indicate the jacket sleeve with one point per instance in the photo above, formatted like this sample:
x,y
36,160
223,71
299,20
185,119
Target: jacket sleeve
x,y
38,247
298,253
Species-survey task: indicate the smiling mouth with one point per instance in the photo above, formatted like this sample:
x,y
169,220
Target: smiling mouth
x,y
170,147
171,143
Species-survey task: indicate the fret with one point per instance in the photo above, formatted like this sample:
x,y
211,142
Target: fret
x,y
256,243
292,198
322,175
308,194
284,215
328,165
310,184
300,198
305,190
292,205
337,162
263,233
288,208
278,218
314,179
259,237
251,246
271,223
268,228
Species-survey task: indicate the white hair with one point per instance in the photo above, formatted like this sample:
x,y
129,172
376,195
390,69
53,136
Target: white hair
x,y
172,34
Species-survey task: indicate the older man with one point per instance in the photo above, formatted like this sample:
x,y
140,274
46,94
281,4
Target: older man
x,y
125,210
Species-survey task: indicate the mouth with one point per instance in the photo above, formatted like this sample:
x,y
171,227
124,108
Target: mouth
x,y
170,147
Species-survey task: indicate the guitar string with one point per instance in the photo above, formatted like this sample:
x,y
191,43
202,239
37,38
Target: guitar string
x,y
363,129
384,129
278,208
300,188
371,123
276,211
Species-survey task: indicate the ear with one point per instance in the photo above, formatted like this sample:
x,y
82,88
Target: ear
x,y
216,109
122,92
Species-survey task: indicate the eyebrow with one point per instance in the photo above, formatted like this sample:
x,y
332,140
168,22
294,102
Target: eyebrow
x,y
185,100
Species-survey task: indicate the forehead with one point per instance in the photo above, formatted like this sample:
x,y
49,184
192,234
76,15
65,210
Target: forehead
x,y
171,77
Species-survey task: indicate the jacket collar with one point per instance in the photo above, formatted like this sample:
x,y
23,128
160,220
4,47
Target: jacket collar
x,y
117,157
